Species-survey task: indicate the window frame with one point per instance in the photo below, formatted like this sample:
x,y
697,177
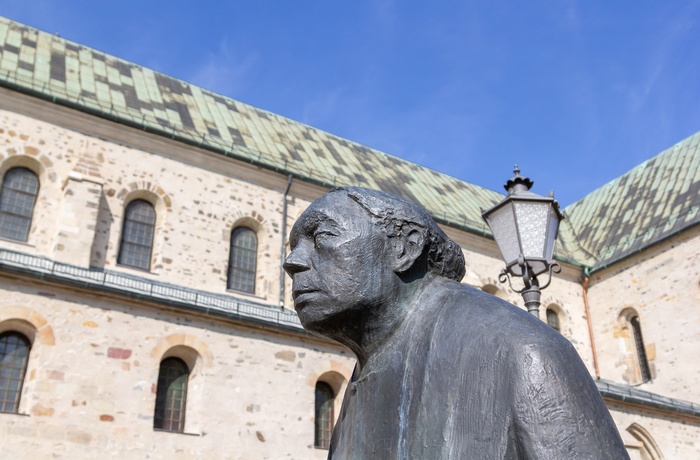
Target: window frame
x,y
18,376
324,402
9,198
164,399
553,317
129,241
638,340
242,277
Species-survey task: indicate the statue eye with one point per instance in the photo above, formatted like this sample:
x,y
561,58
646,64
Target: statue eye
x,y
321,237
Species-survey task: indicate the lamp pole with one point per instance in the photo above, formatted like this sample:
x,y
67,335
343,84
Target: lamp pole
x,y
525,226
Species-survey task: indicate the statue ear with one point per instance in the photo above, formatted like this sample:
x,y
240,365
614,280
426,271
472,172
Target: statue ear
x,y
409,248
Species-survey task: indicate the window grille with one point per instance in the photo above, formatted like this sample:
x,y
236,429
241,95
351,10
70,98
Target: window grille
x,y
553,320
137,235
242,260
20,188
324,415
14,355
641,350
171,395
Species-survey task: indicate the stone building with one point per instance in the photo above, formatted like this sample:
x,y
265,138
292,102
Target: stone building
x,y
144,312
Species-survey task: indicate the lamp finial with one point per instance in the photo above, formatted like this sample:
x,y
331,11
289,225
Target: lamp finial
x,y
518,183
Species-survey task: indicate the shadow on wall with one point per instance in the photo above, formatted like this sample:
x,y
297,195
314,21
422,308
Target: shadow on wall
x,y
98,251
494,290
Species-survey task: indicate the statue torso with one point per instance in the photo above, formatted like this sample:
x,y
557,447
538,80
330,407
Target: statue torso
x,y
471,377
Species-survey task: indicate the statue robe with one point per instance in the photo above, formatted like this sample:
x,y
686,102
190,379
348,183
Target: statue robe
x,y
469,376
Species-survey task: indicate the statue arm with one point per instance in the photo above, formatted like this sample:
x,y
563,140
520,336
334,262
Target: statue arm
x,y
558,411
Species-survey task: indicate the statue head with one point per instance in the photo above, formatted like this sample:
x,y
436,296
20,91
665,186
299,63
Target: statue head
x,y
354,248
398,218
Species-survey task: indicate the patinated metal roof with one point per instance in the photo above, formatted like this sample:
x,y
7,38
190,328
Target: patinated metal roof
x,y
637,209
52,67
647,204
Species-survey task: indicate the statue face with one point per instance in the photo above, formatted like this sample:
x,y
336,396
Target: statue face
x,y
339,262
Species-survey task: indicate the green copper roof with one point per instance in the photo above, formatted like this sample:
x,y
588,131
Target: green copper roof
x,y
637,209
50,66
649,203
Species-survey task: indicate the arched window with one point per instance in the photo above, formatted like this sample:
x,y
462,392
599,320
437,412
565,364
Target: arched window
x,y
14,355
324,415
641,350
20,187
242,260
647,447
553,319
171,395
137,235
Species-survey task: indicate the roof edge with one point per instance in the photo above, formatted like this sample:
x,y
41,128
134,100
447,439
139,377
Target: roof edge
x,y
634,396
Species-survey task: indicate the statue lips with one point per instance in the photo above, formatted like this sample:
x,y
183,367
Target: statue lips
x,y
303,296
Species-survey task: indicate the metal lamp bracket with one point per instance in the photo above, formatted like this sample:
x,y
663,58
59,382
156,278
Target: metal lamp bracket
x,y
529,280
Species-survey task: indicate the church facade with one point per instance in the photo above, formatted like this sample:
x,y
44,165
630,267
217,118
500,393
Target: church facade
x,y
144,311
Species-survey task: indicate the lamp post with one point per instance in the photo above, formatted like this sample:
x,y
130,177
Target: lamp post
x,y
525,226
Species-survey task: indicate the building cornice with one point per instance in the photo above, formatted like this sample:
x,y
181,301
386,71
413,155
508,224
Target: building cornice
x,y
632,396
142,289
252,313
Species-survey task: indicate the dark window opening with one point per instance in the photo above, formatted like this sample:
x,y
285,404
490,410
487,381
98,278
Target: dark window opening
x,y
20,188
324,415
14,356
137,235
171,395
242,260
553,320
641,350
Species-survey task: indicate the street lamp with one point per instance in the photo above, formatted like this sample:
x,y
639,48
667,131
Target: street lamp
x,y
525,226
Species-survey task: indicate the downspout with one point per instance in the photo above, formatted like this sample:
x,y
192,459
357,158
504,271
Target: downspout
x,y
283,252
584,287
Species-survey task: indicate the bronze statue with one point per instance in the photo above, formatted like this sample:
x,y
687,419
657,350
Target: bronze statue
x,y
444,371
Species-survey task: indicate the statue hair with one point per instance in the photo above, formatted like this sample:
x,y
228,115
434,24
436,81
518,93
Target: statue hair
x,y
395,215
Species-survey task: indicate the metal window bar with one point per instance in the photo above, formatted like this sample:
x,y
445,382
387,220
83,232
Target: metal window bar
x,y
14,355
137,235
553,320
171,396
323,421
243,260
20,188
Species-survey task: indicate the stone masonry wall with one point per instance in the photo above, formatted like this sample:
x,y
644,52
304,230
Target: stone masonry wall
x,y
95,360
90,391
652,435
662,285
197,208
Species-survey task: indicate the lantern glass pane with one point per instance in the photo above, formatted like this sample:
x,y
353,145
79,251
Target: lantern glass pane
x,y
532,226
537,266
502,223
552,232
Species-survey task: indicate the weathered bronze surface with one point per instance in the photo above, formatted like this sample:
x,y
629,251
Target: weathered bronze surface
x,y
444,371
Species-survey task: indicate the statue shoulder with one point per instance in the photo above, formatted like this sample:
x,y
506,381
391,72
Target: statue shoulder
x,y
480,316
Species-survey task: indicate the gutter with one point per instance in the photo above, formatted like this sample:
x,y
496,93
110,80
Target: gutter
x,y
625,394
284,238
641,249
584,289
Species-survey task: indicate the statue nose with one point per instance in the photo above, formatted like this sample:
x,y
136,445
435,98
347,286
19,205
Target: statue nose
x,y
295,262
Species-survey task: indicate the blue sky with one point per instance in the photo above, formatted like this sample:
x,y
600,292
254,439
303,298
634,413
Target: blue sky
x,y
575,92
